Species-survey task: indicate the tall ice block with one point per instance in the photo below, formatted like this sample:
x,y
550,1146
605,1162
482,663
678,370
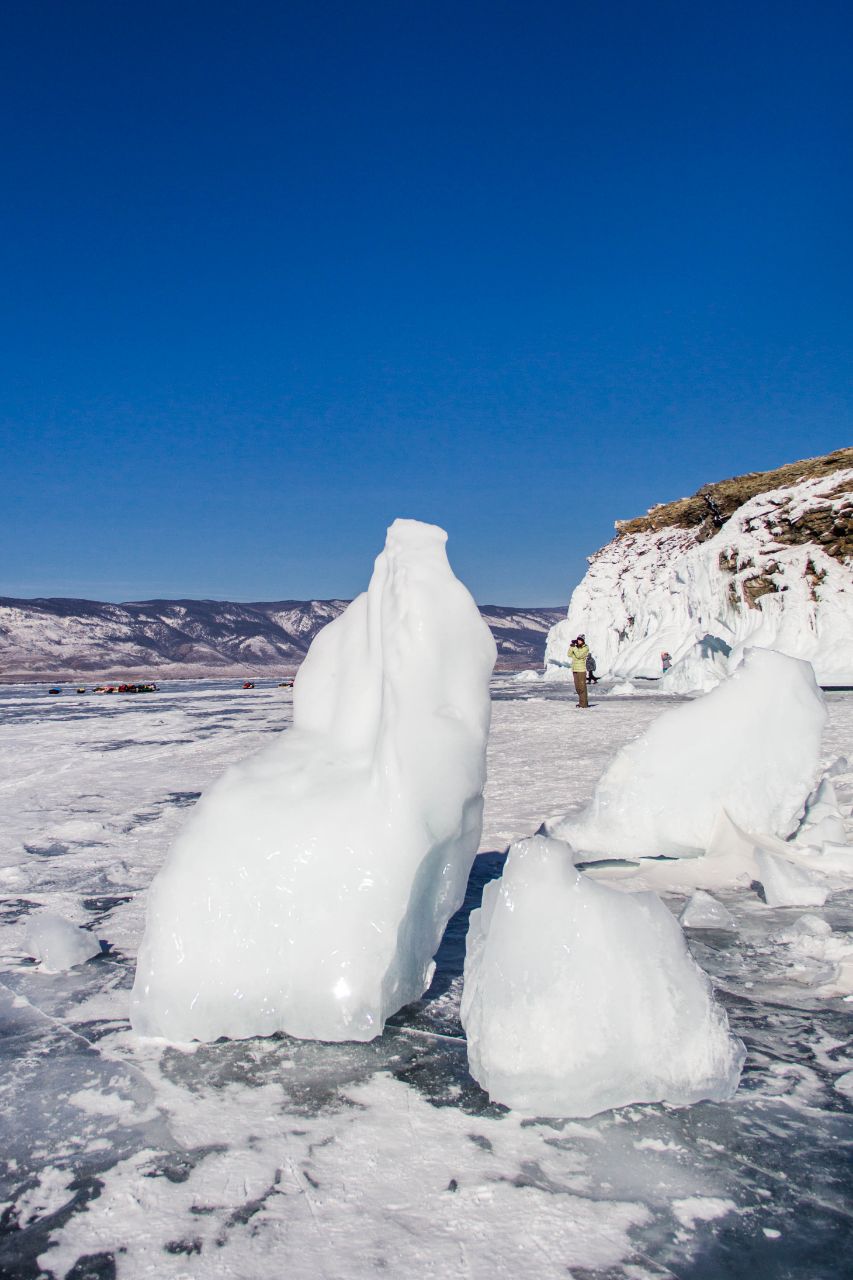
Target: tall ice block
x,y
311,885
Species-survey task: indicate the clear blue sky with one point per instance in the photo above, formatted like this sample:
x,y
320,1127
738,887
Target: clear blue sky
x,y
275,273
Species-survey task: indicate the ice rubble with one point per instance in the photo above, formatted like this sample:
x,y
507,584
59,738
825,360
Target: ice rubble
x,y
749,747
823,958
57,943
704,912
579,997
662,589
310,888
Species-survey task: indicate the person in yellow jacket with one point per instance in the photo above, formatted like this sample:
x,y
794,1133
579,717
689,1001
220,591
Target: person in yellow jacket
x,y
579,652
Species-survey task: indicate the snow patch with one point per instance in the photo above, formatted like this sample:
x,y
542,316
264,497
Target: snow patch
x,y
695,1209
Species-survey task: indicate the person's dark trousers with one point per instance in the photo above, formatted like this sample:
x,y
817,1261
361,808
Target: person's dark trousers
x,y
580,688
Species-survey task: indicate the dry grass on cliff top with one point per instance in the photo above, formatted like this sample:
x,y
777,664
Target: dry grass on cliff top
x,y
713,504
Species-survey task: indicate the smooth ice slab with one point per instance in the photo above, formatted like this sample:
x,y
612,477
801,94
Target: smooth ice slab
x,y
750,746
311,885
579,997
57,943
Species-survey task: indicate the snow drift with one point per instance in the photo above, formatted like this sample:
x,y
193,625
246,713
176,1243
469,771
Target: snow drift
x,y
312,883
579,997
704,577
750,748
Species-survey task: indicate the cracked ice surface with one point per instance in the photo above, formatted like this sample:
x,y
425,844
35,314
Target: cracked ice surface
x,y
275,1157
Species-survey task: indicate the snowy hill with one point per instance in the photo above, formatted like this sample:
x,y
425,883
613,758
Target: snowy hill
x,y
59,639
763,559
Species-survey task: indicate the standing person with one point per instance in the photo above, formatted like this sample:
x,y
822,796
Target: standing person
x,y
591,677
578,652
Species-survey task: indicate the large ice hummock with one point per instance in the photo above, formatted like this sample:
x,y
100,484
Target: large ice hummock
x,y
311,885
750,747
579,997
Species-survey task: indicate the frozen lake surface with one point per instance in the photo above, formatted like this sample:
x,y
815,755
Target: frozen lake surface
x,y
281,1158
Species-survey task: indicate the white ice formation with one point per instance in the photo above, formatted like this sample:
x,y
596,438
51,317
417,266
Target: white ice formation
x,y
773,574
704,912
311,885
750,748
57,943
579,997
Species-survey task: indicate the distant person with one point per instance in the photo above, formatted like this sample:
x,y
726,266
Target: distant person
x,y
665,661
578,652
591,664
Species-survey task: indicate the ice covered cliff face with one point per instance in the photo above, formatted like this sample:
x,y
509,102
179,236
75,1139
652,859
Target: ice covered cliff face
x,y
775,574
310,888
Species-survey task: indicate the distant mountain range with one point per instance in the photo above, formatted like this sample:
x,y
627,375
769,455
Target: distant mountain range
x,y
60,639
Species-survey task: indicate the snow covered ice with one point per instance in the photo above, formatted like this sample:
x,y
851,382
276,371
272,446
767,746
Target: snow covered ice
x,y
264,1157
579,997
750,747
58,944
311,886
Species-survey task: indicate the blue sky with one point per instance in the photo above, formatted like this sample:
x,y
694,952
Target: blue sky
x,y
274,274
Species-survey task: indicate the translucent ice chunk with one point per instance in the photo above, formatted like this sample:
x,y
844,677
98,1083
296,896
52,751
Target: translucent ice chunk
x,y
57,943
311,885
579,997
705,912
